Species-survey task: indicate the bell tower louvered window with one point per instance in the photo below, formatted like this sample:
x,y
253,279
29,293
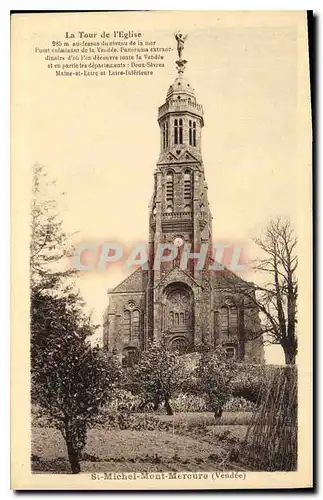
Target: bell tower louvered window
x,y
169,191
187,186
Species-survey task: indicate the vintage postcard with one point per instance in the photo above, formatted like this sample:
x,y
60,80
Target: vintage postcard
x,y
161,250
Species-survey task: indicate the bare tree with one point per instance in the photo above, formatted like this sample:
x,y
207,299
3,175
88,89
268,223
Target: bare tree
x,y
276,298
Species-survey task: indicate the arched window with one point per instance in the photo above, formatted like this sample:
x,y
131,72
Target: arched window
x,y
165,135
175,131
180,130
186,317
171,318
181,318
233,320
176,319
169,190
126,327
215,327
135,325
229,320
194,134
224,320
231,352
187,185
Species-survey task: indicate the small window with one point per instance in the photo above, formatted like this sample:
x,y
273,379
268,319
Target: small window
x,y
231,352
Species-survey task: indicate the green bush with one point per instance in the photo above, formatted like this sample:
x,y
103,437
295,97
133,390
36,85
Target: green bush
x,y
252,381
188,403
236,404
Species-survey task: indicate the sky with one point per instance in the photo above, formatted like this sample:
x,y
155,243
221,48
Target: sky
x,y
98,137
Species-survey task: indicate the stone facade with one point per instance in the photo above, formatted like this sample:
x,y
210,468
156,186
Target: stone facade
x,y
189,306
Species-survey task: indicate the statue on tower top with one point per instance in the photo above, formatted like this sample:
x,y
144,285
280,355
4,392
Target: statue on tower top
x,y
180,38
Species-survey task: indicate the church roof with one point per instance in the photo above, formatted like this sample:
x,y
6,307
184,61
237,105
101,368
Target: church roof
x,y
224,278
180,87
136,282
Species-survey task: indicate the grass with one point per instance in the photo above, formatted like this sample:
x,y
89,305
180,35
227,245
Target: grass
x,y
190,441
207,418
126,451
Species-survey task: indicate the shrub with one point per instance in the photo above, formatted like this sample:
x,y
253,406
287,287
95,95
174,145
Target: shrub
x,y
252,381
161,373
239,404
215,372
189,403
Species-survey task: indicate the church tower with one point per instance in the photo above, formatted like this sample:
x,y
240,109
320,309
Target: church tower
x,y
180,212
187,304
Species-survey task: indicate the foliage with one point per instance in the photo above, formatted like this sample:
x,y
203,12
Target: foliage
x,y
215,373
49,246
239,405
70,380
160,374
251,382
189,403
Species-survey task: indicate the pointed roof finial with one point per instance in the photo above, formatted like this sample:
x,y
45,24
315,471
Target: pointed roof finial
x,y
180,38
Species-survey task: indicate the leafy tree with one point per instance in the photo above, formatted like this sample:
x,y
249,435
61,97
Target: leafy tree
x,y
70,380
49,245
215,373
160,374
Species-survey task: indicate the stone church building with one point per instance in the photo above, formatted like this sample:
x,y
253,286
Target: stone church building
x,y
188,306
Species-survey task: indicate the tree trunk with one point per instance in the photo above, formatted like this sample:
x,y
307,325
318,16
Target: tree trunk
x,y
73,455
218,412
290,350
73,458
290,355
168,406
156,403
